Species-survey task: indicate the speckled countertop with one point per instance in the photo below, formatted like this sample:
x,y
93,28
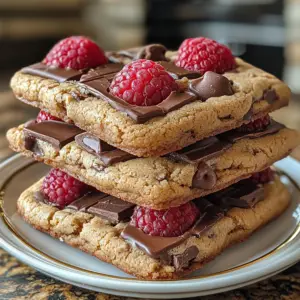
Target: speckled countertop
x,y
18,281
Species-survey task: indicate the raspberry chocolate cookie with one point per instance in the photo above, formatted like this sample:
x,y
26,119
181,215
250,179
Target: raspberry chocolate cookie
x,y
150,244
159,102
157,182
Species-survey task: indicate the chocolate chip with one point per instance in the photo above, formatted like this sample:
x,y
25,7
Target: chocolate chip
x,y
155,52
235,135
270,96
205,177
211,85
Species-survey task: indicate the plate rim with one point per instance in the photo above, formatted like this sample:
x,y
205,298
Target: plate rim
x,y
184,285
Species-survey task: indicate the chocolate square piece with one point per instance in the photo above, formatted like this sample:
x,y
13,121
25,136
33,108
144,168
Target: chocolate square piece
x,y
56,133
108,154
58,74
113,209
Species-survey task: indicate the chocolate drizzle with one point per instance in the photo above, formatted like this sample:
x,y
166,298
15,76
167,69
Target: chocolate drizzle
x,y
109,155
56,133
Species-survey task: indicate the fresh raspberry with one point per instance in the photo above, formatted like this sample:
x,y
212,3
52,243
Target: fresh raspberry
x,y
62,189
256,125
45,116
202,54
170,222
75,52
263,177
143,83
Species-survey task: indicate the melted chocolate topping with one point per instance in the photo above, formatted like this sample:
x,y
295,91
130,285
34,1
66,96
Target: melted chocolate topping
x,y
58,74
210,213
235,135
109,155
211,85
56,133
244,194
97,82
140,114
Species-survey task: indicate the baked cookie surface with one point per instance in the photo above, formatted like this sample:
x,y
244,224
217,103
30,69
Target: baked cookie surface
x,y
255,93
162,182
104,240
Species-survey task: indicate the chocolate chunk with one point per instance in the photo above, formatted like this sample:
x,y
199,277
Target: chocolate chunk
x,y
58,134
103,71
30,143
202,150
58,74
178,72
108,154
244,194
83,203
269,95
210,214
248,115
155,52
211,85
113,209
183,260
205,178
235,135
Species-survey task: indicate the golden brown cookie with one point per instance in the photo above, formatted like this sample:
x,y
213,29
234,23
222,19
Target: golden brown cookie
x,y
162,182
103,240
183,126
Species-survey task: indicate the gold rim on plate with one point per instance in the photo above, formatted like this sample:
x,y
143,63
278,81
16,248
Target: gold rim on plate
x,y
11,228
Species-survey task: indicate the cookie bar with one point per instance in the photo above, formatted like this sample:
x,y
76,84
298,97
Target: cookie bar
x,y
194,112
156,182
225,224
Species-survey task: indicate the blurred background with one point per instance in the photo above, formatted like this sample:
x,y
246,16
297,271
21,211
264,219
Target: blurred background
x,y
266,33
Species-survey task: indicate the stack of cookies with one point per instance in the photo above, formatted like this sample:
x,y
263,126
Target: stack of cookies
x,y
161,160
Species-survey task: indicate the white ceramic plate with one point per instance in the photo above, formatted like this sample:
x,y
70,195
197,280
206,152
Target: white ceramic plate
x,y
269,251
